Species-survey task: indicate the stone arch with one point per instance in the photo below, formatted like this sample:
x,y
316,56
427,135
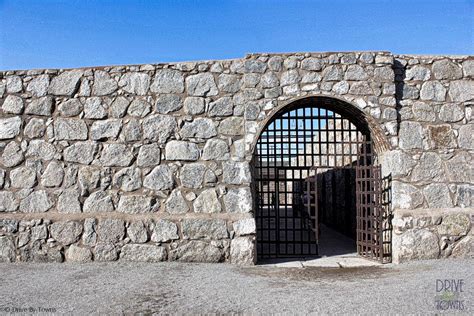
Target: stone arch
x,y
362,120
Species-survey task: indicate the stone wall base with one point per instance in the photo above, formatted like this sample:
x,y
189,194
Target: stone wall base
x,y
111,239
432,234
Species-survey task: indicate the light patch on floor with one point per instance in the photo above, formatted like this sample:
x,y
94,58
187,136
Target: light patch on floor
x,y
335,251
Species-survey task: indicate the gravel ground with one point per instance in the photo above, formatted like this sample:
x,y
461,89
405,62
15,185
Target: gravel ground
x,y
129,288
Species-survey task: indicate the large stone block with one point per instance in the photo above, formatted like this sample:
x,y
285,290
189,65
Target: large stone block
x,y
168,103
68,201
199,128
406,196
149,155
204,228
128,179
89,236
115,155
192,175
135,82
254,66
10,127
461,90
464,194
8,201
455,225
71,107
105,252
355,72
67,232
236,172
7,249
242,251
97,202
181,150
215,149
232,126
415,244
332,73
35,128
176,204
446,69
40,149
105,129
70,129
78,254
23,177
229,83
465,138
119,107
13,105
66,84
197,251
36,202
245,226
12,155
160,178
397,163
110,231
139,108
207,202
194,105
311,63
438,196
221,107
95,108
424,112
441,136
168,81
459,168
134,204
137,232
238,200
201,85
143,253
464,248
418,73
103,83
433,91
410,135
451,112
159,128
430,168
164,231
81,152
38,87
53,175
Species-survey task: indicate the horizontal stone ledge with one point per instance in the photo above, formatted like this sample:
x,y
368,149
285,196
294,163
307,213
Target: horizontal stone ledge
x,y
55,216
398,213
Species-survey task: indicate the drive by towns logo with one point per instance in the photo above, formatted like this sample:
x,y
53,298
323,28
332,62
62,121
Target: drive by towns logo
x,y
449,294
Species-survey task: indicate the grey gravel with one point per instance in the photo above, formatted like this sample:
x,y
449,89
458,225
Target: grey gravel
x,y
170,287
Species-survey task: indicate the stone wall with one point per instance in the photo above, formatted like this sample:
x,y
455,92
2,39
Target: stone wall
x,y
152,162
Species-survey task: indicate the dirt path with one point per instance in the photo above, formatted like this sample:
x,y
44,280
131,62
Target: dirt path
x,y
129,288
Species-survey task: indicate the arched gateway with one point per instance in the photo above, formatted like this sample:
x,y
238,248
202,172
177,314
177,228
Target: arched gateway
x,y
316,171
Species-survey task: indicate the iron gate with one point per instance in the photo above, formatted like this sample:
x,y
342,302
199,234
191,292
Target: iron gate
x,y
373,217
291,147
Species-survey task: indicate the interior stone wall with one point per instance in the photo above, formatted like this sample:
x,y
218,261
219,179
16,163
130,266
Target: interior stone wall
x,y
152,162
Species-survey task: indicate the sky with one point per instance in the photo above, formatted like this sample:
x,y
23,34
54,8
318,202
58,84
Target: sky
x,y
78,33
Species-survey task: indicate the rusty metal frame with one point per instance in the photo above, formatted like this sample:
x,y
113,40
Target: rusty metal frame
x,y
373,223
